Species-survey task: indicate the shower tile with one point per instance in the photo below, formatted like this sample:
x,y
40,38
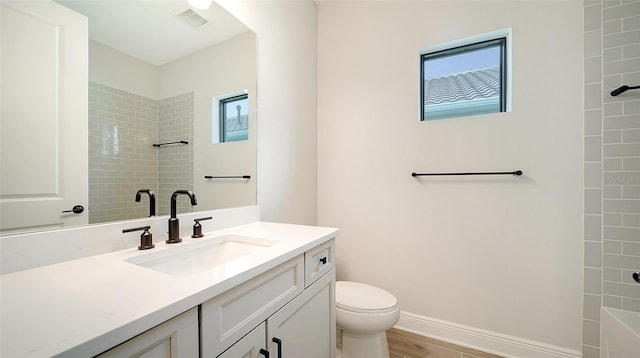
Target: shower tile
x,y
611,82
631,136
631,163
593,201
620,39
592,281
622,66
612,136
621,289
612,164
592,17
612,54
593,148
593,69
591,307
593,96
621,122
631,51
633,77
611,247
593,175
593,227
612,27
610,3
612,301
612,192
621,178
618,12
622,261
591,333
632,107
620,150
592,44
593,254
631,249
630,304
612,274
593,122
631,23
612,219
631,220
622,233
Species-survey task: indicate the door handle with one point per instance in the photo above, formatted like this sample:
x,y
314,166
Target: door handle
x,y
264,352
78,209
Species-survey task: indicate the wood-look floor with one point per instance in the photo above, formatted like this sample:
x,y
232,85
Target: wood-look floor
x,y
404,344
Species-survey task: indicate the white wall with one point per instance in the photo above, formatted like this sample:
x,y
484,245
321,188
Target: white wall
x,y
502,254
218,70
287,145
113,68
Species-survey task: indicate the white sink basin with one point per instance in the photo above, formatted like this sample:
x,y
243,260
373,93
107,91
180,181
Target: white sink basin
x,y
207,254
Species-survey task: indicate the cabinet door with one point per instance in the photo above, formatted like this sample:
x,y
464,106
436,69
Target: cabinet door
x,y
250,346
178,337
306,326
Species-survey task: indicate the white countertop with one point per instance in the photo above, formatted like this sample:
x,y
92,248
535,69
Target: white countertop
x,y
83,307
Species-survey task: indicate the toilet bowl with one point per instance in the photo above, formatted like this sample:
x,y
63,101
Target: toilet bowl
x,y
363,314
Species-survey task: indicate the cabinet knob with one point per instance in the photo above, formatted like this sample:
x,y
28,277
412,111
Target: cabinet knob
x,y
323,260
264,352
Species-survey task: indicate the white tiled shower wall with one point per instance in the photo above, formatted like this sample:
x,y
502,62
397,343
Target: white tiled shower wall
x,y
123,127
612,162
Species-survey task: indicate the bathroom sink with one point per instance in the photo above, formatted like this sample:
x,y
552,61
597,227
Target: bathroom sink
x,y
200,256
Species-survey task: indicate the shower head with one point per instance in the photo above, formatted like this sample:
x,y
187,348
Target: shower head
x,y
622,89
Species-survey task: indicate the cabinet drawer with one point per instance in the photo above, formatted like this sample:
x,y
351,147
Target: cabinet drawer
x,y
229,316
319,261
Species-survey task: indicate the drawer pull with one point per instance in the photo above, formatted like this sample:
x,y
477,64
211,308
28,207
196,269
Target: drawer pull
x,y
323,260
264,352
278,341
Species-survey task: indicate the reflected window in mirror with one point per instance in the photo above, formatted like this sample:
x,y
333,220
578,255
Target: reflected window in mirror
x,y
230,120
234,118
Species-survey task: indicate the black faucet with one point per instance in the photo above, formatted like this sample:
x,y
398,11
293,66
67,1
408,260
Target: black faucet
x,y
174,223
152,200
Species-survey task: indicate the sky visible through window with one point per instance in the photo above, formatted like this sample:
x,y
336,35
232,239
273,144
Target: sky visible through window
x,y
462,62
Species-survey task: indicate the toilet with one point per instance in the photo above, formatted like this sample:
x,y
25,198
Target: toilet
x,y
363,314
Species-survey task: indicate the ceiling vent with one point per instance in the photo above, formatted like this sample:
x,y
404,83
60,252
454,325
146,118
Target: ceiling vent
x,y
192,19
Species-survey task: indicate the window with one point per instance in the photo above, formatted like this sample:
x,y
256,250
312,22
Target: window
x,y
234,118
464,80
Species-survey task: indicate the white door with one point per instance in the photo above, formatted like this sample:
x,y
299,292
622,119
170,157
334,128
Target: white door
x,y
44,116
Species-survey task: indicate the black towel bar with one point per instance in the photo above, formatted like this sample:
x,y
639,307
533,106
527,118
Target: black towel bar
x,y
179,142
228,177
515,172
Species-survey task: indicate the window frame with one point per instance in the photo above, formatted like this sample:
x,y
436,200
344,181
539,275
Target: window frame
x,y
222,102
501,40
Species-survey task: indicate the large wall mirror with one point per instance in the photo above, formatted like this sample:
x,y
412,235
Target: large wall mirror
x,y
151,76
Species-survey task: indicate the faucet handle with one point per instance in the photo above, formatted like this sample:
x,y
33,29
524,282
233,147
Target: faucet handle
x,y
146,239
197,227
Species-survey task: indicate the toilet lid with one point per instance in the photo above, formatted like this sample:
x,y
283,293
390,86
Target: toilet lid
x,y
358,297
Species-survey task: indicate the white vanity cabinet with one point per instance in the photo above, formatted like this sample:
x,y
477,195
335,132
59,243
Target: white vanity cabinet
x,y
275,312
177,337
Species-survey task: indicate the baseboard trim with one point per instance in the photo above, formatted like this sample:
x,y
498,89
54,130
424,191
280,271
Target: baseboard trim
x,y
482,340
